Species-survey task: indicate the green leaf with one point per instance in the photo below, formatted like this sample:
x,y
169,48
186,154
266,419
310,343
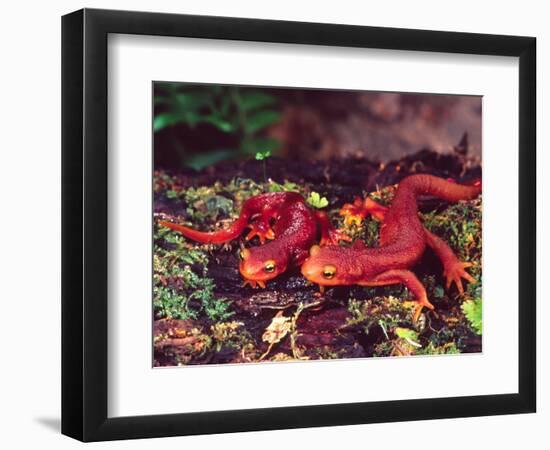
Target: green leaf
x,y
168,86
291,187
189,101
202,160
473,310
260,120
286,187
406,333
160,100
191,118
225,105
219,123
164,120
317,201
275,187
409,335
170,193
254,100
260,156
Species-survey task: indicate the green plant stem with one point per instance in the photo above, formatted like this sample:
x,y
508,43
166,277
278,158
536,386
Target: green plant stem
x,y
241,114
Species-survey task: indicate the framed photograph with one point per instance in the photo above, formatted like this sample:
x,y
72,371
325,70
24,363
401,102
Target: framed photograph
x,y
273,224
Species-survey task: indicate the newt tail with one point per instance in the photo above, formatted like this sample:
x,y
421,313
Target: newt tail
x,y
262,208
210,237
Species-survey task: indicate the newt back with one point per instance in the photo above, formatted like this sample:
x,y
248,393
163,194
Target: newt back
x,y
402,234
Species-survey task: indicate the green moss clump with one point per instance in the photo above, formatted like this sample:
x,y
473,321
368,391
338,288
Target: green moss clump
x,y
460,226
230,334
181,286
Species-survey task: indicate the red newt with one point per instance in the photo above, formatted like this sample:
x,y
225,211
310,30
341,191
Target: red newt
x,y
403,240
294,231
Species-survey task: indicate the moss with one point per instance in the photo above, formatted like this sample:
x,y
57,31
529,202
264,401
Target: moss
x,y
230,334
181,286
380,318
460,226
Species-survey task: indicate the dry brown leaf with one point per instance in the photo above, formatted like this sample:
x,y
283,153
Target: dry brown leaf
x,y
277,329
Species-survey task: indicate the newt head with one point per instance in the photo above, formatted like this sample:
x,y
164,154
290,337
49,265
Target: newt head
x,y
260,264
332,266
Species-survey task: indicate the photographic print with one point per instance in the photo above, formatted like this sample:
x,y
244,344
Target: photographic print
x,y
295,224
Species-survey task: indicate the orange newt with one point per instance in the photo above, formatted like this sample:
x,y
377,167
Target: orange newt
x,y
282,217
403,240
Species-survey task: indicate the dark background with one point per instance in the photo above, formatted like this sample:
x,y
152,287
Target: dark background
x,y
200,125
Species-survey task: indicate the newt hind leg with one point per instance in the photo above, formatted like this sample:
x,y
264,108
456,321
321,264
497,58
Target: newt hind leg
x,y
261,225
329,235
357,211
453,268
260,228
411,282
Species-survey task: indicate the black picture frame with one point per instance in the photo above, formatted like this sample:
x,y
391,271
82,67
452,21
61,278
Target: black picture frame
x,y
84,224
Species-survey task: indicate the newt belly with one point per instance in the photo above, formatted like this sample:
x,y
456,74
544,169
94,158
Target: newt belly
x,y
285,220
403,240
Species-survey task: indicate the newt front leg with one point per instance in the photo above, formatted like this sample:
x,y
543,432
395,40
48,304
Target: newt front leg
x,y
357,211
411,282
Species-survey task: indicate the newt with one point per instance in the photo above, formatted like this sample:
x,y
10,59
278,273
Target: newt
x,y
283,218
403,240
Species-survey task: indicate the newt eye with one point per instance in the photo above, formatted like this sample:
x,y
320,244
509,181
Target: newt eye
x,y
243,254
329,272
269,266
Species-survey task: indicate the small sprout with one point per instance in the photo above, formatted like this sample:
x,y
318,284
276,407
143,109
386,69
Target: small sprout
x,y
317,201
260,156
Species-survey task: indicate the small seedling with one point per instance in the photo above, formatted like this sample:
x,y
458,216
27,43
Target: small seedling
x,y
317,201
262,156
